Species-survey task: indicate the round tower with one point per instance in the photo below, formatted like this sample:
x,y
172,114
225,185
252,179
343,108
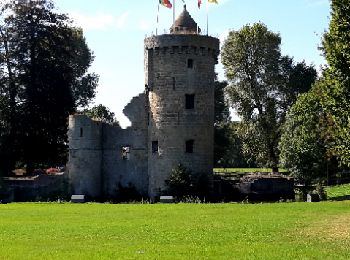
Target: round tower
x,y
180,73
85,156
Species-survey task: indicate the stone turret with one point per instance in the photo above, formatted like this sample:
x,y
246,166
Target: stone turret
x,y
185,24
85,156
179,76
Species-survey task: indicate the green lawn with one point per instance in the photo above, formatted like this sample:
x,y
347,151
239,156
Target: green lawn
x,y
175,231
338,192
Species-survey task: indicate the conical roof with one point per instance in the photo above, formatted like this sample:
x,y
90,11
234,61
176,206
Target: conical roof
x,y
185,24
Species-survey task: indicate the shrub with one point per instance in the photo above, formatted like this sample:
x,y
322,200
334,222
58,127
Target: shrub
x,y
179,183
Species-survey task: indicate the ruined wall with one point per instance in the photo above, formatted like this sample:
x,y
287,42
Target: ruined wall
x,y
97,165
85,155
170,76
127,170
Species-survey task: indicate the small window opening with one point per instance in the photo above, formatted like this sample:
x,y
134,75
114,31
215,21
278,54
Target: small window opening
x,y
154,147
81,132
189,146
174,83
125,152
190,63
189,101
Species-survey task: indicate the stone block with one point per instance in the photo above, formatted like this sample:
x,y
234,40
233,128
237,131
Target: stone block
x,y
312,198
166,199
78,199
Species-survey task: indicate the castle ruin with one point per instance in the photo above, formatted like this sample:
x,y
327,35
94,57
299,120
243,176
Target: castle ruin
x,y
172,121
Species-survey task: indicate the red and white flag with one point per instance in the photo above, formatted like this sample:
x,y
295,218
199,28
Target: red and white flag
x,y
166,3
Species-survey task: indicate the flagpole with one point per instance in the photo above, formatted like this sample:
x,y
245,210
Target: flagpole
x,y
157,20
174,13
207,19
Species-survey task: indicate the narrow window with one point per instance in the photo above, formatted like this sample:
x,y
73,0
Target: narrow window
x,y
190,63
81,132
189,101
174,83
189,146
125,152
154,147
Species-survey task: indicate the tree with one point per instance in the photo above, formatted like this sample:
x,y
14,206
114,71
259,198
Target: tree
x,y
302,145
101,113
44,63
336,83
222,111
316,138
227,144
180,182
228,147
262,88
222,119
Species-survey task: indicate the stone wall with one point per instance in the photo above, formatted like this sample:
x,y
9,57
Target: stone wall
x,y
170,76
85,155
97,164
121,170
36,188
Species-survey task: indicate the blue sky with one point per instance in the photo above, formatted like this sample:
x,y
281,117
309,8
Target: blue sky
x,y
115,30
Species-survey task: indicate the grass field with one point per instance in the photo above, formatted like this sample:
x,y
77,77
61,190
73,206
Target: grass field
x,y
175,231
338,192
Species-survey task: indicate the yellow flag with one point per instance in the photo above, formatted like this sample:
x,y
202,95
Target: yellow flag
x,y
213,1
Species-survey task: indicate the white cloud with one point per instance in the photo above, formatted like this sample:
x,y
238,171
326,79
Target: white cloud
x,y
99,21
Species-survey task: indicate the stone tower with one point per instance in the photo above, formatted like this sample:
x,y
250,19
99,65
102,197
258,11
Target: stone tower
x,y
85,156
179,76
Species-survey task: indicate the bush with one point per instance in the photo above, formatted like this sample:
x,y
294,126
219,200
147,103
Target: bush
x,y
179,183
187,186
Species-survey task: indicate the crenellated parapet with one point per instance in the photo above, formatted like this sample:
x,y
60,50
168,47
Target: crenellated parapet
x,y
170,44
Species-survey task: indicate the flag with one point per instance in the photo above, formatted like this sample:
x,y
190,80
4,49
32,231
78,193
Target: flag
x,y
166,3
213,1
199,3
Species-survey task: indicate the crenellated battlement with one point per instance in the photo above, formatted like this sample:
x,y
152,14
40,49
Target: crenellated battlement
x,y
183,44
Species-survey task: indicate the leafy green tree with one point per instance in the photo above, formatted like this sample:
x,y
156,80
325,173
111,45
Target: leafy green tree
x,y
222,119
316,136
102,113
222,110
336,83
262,88
302,145
228,147
44,61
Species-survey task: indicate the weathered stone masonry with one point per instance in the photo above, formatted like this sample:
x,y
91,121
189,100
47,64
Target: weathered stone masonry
x,y
172,122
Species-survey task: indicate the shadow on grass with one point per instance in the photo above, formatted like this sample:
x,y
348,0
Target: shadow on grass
x,y
340,198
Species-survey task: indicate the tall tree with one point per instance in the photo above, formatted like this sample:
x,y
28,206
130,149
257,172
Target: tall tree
x,y
227,144
336,83
45,61
302,145
261,88
222,118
